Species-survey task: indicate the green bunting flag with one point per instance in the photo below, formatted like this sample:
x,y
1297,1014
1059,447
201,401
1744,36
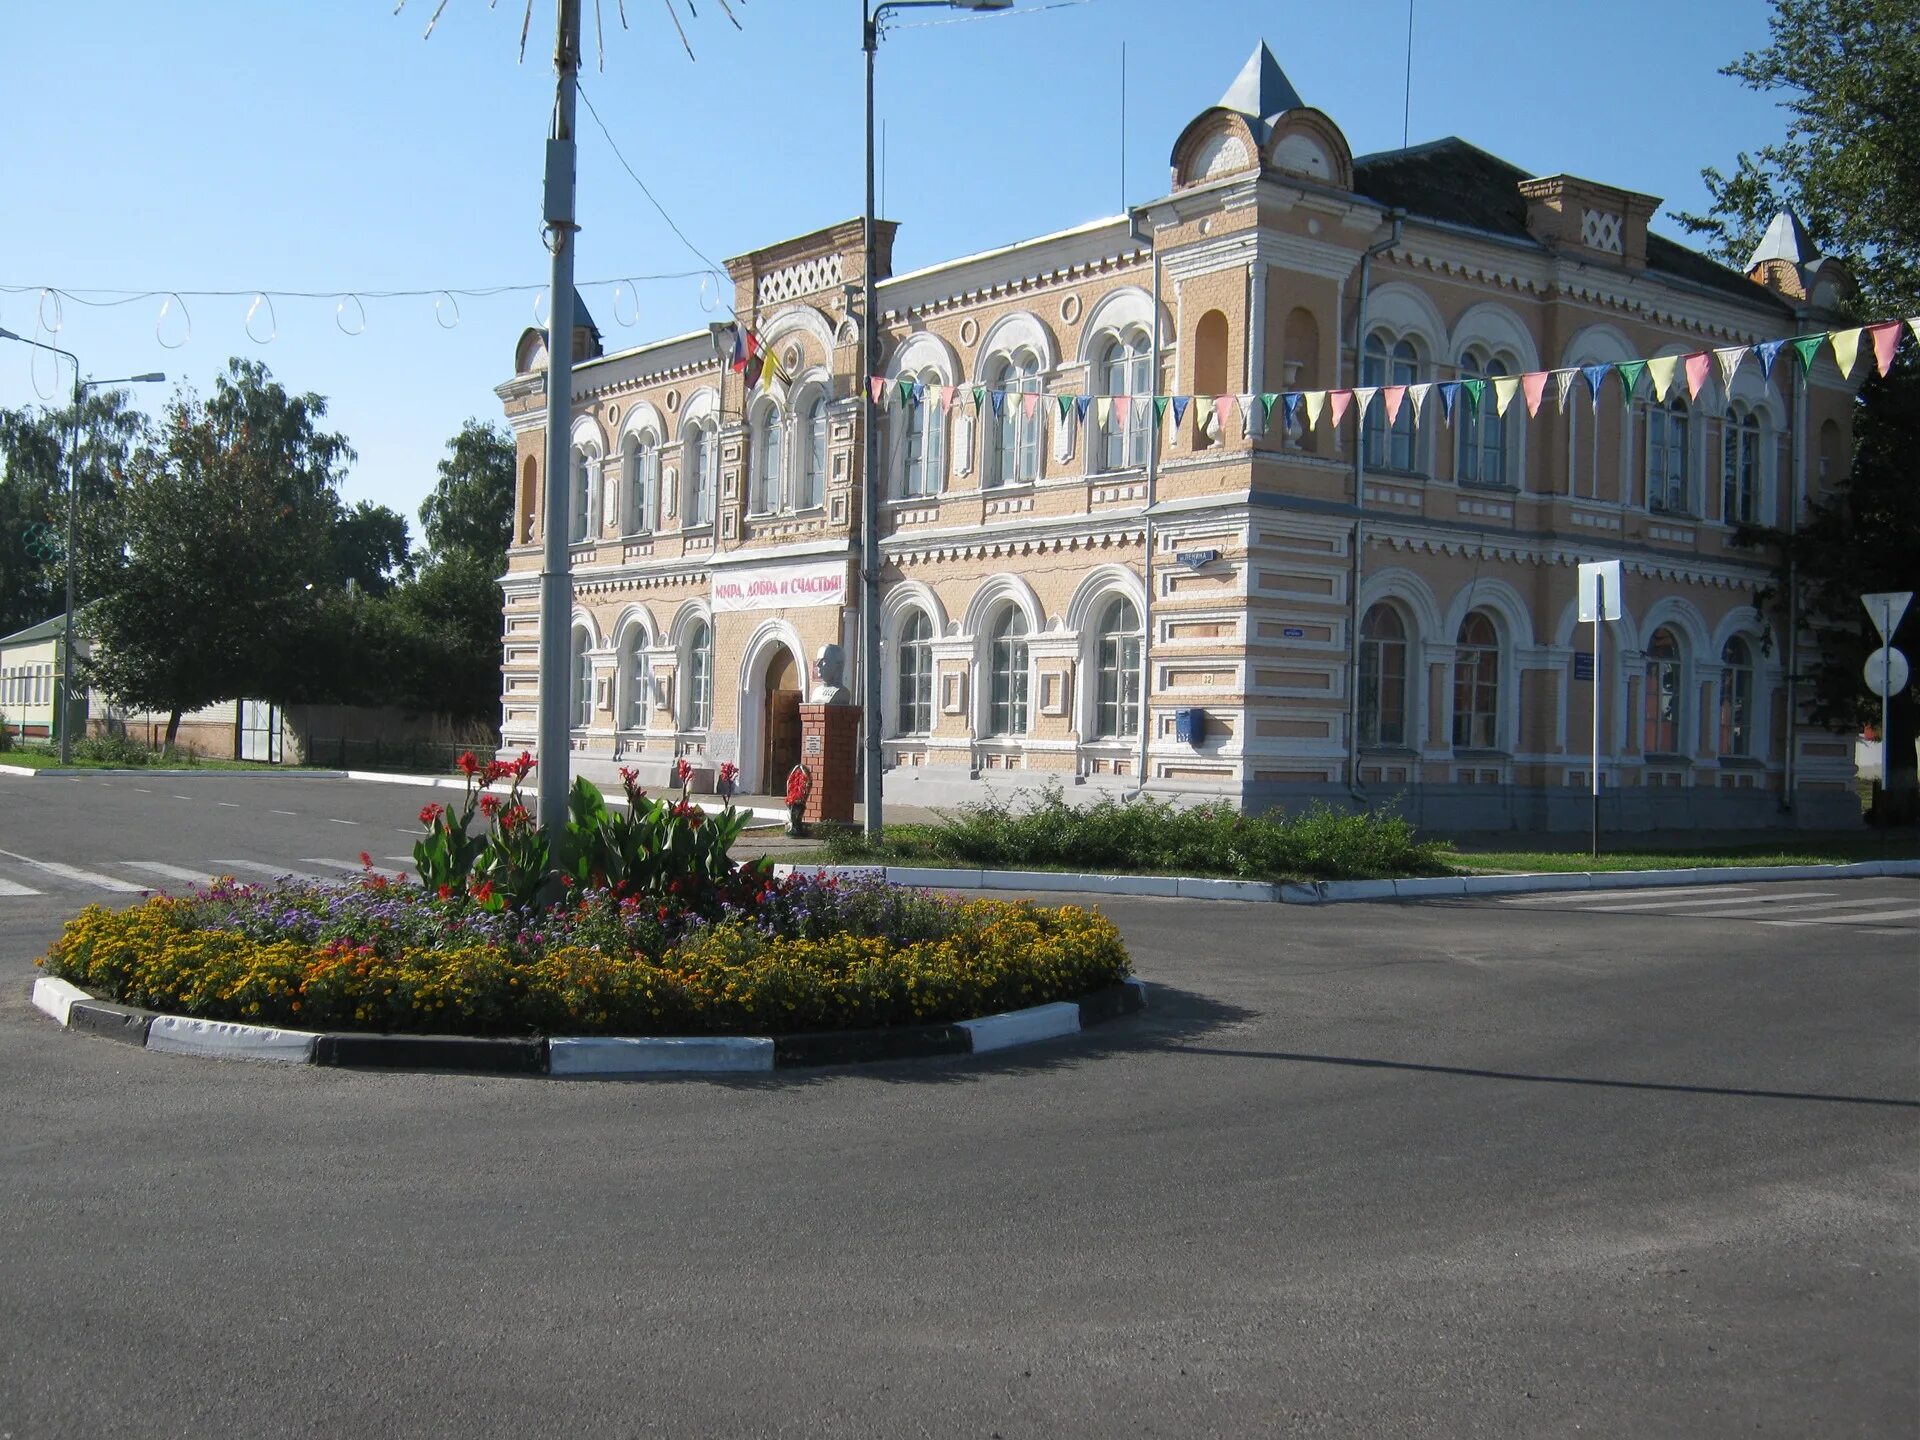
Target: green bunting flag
x,y
979,398
1160,403
1065,402
1807,347
1267,402
1475,389
1629,372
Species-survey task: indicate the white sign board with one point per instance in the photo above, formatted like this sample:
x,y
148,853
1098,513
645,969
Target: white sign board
x,y
1600,590
1886,607
781,587
1886,672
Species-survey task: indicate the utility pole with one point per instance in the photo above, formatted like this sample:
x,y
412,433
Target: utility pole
x,y
556,580
870,778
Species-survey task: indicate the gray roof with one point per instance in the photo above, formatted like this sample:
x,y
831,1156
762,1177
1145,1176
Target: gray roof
x,y
1261,91
1786,239
45,630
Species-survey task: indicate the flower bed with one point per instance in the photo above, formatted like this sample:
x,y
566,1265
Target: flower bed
x,y
804,954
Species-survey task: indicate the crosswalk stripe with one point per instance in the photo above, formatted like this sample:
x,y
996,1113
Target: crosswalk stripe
x,y
1850,919
1617,892
8,887
1676,903
170,872
74,872
276,871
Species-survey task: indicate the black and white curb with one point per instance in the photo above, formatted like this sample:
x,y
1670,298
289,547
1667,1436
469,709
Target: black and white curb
x,y
581,1055
1328,892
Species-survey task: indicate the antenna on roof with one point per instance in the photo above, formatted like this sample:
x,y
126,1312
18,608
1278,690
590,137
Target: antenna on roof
x,y
1406,104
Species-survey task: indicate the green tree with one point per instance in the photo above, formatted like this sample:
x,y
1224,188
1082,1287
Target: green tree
x,y
1849,166
471,507
370,551
445,638
229,519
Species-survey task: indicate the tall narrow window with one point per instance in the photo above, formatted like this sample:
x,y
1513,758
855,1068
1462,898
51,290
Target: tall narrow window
x,y
1117,704
580,499
1668,434
916,675
1383,677
1007,667
1389,447
1127,369
1476,684
640,469
698,460
1660,705
1016,436
813,451
1740,483
636,679
582,676
923,462
1736,699
699,706
768,456
1483,432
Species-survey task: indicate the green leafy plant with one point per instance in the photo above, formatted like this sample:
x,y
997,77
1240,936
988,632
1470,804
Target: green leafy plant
x,y
663,850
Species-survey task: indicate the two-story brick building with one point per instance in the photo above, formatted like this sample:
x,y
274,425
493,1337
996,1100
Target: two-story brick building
x,y
1366,609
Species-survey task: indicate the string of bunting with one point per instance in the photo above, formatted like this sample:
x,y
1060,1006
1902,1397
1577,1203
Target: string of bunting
x,y
1663,373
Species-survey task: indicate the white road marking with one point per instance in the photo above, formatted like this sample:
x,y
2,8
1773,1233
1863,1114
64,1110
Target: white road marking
x,y
143,790
1851,919
1620,892
8,887
183,797
74,872
228,804
276,871
1676,902
170,872
332,821
283,812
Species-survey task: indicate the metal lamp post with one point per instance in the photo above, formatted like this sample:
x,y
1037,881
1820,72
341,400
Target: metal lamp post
x,y
870,698
63,695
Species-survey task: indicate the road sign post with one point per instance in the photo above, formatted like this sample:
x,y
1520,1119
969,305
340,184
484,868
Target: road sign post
x,y
1599,600
1885,608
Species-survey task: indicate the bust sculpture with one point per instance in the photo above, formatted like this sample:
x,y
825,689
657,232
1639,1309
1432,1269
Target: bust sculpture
x,y
829,667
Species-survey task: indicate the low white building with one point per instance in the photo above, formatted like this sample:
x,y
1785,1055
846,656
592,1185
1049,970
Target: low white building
x,y
29,680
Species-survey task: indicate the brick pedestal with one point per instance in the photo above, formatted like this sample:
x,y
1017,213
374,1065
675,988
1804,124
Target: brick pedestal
x,y
829,748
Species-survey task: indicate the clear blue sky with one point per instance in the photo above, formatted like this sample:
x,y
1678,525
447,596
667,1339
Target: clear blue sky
x,y
229,144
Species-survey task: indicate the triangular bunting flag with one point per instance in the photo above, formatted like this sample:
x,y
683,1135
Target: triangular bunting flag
x,y
1290,408
1393,396
1363,399
1246,412
1338,401
1180,403
1660,372
875,383
1629,372
1222,407
980,400
1595,376
1807,347
1846,350
1505,387
1533,385
1913,324
1419,394
1065,402
1476,391
1081,404
1315,401
1886,338
1729,357
907,390
999,398
1102,410
919,391
1698,367
1449,397
1160,403
1122,407
1267,402
1563,387
1031,403
1768,353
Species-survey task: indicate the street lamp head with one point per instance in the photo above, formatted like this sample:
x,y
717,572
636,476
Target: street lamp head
x,y
6,334
981,4
156,378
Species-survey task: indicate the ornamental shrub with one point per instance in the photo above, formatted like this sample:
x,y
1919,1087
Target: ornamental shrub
x,y
809,954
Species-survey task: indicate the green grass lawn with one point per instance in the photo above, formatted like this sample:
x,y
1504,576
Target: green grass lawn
x,y
1821,852
34,757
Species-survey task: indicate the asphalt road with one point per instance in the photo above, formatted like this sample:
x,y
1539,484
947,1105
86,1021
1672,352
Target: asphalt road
x,y
1488,1168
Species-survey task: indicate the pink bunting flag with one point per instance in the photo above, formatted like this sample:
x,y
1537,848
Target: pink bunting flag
x,y
1222,407
1338,400
1394,396
1533,385
878,385
1886,338
1122,407
1698,367
1031,402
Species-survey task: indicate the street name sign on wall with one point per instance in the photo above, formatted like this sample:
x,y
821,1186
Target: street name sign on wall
x,y
1583,665
780,587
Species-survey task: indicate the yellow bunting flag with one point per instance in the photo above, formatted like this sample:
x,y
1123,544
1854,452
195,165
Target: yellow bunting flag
x,y
1505,387
1661,373
1316,401
1846,350
1102,408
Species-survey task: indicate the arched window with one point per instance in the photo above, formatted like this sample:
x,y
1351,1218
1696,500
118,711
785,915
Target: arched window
x,y
1007,673
1483,432
1476,684
1126,368
1660,705
1302,372
1015,456
699,687
1117,701
813,457
1383,677
769,474
699,445
581,696
1209,377
923,456
1389,362
529,500
1736,699
1740,476
915,649
580,498
636,678
640,469
1668,430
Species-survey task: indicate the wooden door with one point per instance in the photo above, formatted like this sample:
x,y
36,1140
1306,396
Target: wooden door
x,y
782,723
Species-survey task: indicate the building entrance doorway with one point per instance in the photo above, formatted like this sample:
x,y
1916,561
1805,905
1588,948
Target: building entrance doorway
x,y
781,747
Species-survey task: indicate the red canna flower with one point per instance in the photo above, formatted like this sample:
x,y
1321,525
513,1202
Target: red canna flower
x,y
523,767
683,770
366,860
469,766
446,892
429,814
489,805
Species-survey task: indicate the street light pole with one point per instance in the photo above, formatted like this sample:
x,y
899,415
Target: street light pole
x,y
870,697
